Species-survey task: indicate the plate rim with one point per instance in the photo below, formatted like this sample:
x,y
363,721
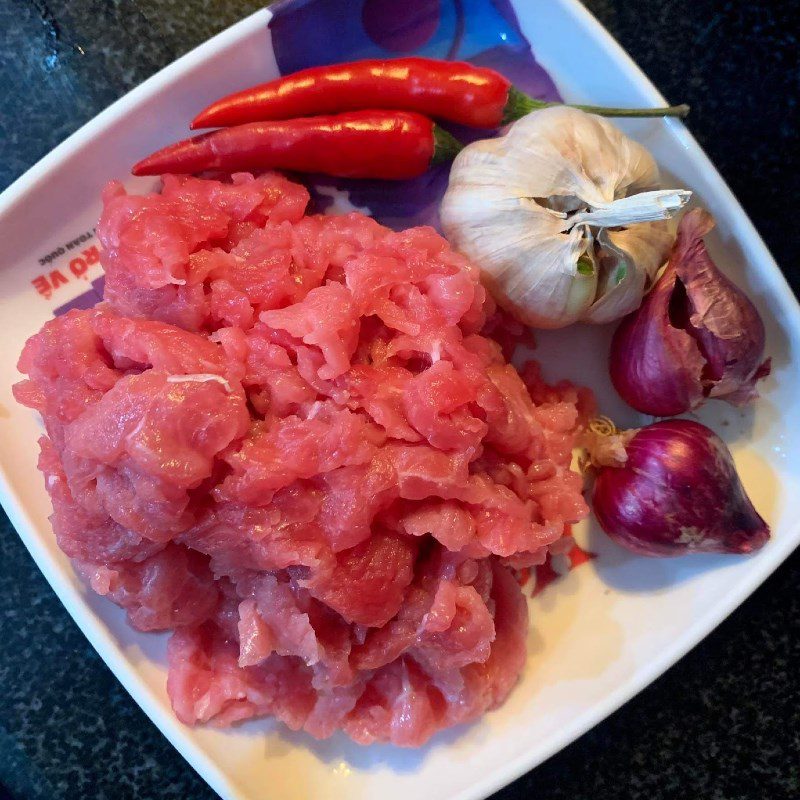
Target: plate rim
x,y
781,548
110,650
92,627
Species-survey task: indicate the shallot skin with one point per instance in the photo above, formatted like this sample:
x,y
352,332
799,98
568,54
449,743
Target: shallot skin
x,y
677,493
695,336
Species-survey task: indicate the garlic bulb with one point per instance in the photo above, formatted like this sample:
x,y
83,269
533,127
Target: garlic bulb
x,y
563,216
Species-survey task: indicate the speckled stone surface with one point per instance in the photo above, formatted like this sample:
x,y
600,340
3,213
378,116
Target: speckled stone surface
x,y
724,724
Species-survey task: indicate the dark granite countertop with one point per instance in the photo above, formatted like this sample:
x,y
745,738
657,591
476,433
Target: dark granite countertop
x,y
724,724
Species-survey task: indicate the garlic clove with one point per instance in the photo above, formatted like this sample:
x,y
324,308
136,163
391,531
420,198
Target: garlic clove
x,y
507,231
557,293
630,259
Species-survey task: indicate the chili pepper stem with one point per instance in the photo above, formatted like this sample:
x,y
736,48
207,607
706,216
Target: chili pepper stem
x,y
445,146
519,104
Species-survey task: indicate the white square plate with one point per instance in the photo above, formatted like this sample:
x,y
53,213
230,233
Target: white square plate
x,y
599,635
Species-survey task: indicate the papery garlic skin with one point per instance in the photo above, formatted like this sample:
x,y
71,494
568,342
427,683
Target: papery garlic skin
x,y
561,183
646,245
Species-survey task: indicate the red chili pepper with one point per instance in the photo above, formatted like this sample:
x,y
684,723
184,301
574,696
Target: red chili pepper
x,y
474,96
364,144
